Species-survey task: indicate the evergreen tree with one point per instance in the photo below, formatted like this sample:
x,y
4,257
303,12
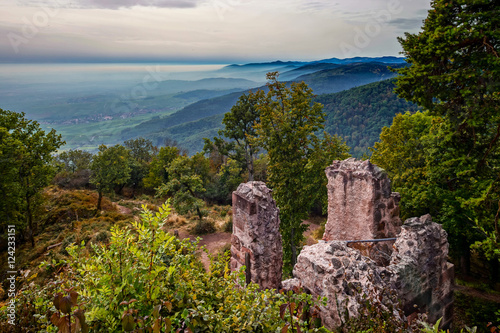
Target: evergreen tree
x,y
454,74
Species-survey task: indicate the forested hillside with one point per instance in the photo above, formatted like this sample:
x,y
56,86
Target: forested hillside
x,y
346,77
359,114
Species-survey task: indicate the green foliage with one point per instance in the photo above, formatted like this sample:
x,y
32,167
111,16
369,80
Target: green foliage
x,y
110,167
33,308
402,152
224,179
75,160
476,311
148,279
186,184
453,73
157,174
141,149
141,154
288,122
26,164
238,129
359,114
74,169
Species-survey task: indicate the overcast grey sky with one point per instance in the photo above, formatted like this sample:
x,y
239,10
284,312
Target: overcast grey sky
x,y
211,31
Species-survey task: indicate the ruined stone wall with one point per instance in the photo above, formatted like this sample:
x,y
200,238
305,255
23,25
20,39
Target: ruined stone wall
x,y
421,273
418,274
360,202
413,268
256,232
343,275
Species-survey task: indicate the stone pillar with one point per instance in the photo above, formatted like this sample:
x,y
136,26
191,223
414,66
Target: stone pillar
x,y
360,202
256,233
423,276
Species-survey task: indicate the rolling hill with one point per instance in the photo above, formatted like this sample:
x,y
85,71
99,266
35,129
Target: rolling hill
x,y
339,78
357,114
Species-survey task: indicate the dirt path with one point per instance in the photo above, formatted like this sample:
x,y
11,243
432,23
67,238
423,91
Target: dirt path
x,y
308,234
213,242
492,297
122,209
217,241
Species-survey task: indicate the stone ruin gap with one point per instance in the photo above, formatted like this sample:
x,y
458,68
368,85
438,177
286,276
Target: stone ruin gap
x,y
361,206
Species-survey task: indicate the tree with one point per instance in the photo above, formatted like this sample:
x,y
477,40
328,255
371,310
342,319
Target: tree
x,y
288,123
110,167
141,149
402,151
186,183
142,152
26,164
75,160
74,169
238,128
454,74
157,174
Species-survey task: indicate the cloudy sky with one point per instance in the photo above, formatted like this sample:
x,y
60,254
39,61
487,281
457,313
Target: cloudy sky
x,y
205,31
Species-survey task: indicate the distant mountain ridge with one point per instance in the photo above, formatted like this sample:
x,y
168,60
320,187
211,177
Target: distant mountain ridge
x,y
385,60
290,70
343,77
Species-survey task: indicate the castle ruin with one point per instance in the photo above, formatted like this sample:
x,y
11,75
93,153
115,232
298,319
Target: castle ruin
x,y
365,248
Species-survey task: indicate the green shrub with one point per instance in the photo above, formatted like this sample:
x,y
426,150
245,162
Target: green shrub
x,y
145,277
228,226
203,227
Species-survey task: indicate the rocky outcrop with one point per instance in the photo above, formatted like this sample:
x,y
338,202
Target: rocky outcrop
x,y
412,269
256,240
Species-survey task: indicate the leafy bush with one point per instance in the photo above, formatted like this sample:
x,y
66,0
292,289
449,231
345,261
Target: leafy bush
x,y
475,311
203,227
148,279
228,226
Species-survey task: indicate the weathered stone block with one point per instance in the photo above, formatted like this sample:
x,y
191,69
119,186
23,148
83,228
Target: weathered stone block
x,y
342,280
256,232
360,202
420,261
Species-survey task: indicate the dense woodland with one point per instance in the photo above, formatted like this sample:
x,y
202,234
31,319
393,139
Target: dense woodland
x,y
86,266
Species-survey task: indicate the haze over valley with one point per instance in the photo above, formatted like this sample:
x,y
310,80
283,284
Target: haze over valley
x,y
94,104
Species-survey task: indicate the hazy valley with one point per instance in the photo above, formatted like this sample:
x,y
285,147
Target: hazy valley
x,y
108,104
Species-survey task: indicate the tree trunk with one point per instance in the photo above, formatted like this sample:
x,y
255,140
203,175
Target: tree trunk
x,y
292,245
250,168
465,261
199,212
99,199
494,272
249,161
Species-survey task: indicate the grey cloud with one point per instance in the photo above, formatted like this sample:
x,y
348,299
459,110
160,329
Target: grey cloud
x,y
115,4
317,5
406,23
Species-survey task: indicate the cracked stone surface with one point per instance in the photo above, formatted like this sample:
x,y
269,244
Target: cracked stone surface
x,y
256,232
